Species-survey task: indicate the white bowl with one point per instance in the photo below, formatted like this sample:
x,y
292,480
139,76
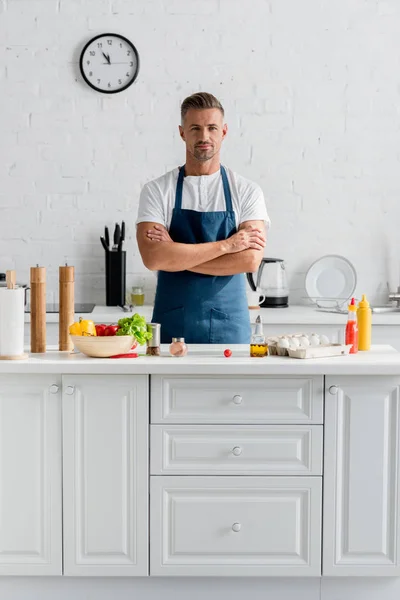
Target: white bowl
x,y
103,346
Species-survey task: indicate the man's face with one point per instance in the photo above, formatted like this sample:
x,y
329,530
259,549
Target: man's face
x,y
203,132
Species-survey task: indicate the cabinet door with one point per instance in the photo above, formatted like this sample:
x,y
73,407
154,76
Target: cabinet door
x,y
235,526
361,476
105,441
30,475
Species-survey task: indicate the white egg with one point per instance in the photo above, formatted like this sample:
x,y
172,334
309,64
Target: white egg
x,y
294,342
283,343
323,339
314,340
304,341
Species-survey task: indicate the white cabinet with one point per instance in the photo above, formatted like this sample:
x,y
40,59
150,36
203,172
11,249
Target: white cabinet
x,y
105,467
361,476
219,399
235,526
236,522
30,475
236,450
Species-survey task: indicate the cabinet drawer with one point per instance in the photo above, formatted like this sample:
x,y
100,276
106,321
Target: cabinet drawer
x,y
236,450
188,399
235,526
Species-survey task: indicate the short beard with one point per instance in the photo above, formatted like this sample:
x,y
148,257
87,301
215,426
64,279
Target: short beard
x,y
203,156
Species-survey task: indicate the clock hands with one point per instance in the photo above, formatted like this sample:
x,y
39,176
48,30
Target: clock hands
x,y
107,57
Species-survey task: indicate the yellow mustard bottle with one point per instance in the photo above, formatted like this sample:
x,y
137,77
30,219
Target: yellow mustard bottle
x,y
364,322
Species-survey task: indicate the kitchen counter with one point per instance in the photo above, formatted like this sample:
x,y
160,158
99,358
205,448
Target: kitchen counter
x,y
293,315
202,465
209,360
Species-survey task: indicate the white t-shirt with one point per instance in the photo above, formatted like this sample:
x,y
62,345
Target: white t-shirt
x,y
203,193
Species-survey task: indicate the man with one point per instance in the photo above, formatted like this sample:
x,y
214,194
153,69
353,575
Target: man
x,y
201,226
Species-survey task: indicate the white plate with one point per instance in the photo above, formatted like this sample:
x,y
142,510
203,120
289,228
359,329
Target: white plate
x,y
331,281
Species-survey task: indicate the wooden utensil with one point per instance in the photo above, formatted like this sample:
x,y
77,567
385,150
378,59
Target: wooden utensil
x,y
67,311
38,309
11,280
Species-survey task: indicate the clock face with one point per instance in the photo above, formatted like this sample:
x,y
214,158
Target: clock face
x,y
109,63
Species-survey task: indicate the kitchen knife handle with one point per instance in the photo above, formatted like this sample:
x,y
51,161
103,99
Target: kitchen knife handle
x,y
117,234
103,243
107,236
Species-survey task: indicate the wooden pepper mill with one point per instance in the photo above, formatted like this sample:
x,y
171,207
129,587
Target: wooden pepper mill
x,y
38,309
67,310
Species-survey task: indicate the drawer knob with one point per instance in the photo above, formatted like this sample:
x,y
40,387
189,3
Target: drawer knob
x,y
53,389
237,451
333,390
236,527
70,390
237,399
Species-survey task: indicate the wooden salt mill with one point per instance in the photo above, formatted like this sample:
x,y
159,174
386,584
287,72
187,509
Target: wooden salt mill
x,y
11,279
67,309
38,309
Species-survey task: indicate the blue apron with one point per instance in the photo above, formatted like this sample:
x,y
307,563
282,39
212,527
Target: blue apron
x,y
204,309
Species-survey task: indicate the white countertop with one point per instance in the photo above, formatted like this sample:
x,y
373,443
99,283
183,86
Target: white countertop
x,y
293,315
209,360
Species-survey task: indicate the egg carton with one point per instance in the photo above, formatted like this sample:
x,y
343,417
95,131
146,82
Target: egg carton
x,y
281,344
321,351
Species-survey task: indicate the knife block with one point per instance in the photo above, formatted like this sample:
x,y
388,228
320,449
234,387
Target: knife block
x,y
115,278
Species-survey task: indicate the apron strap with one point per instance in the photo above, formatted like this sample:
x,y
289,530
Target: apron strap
x,y
225,183
179,188
227,190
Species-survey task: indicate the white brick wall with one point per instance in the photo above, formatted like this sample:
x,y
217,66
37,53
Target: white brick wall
x,y
311,96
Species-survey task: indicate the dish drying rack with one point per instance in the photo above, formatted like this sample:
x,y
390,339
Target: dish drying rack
x,y
335,305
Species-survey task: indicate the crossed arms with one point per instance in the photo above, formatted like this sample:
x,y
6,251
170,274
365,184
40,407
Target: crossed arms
x,y
240,253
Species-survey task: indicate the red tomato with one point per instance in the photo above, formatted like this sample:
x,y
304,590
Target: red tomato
x,y
227,353
111,329
100,329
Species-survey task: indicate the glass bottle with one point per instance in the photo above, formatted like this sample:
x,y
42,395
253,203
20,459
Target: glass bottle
x,y
351,332
178,347
258,343
137,296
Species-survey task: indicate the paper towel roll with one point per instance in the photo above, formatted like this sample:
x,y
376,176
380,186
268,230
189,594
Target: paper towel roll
x,y
12,304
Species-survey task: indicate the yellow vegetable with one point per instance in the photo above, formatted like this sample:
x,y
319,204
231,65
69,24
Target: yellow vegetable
x,y
83,327
88,328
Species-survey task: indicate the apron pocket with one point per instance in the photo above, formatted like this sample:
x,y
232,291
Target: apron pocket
x,y
227,330
172,324
218,326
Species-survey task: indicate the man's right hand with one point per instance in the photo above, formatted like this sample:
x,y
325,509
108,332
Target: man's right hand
x,y
249,237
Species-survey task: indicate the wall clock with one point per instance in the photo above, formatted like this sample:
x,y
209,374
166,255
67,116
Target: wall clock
x,y
109,63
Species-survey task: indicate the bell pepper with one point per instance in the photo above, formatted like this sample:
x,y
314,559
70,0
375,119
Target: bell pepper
x,y
83,327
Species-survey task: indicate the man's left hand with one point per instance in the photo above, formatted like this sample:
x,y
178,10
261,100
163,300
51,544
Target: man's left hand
x,y
159,234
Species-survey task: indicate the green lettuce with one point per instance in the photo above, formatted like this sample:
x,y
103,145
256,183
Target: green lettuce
x,y
136,326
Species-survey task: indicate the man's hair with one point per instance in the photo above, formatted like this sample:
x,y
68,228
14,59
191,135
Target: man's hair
x,y
200,101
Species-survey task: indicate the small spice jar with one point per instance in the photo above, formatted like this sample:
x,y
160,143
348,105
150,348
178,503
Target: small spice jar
x,y
178,347
153,345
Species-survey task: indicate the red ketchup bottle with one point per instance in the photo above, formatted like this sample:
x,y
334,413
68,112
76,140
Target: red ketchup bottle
x,y
352,328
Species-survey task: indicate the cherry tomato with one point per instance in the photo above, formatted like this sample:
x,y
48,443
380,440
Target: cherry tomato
x,y
111,329
227,353
100,329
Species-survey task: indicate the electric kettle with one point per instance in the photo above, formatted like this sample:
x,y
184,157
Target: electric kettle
x,y
271,282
